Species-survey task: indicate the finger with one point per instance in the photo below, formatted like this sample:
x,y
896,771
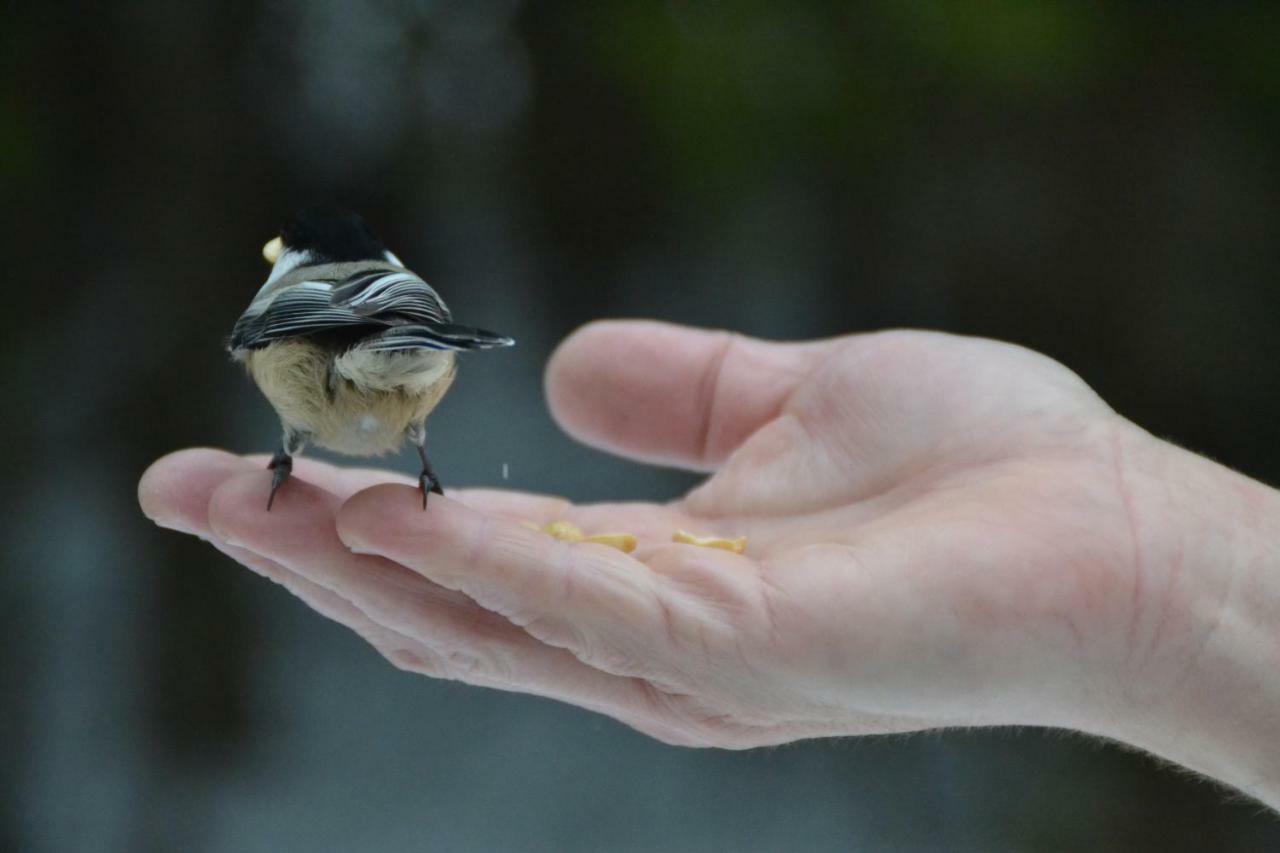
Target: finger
x,y
517,506
671,394
479,646
174,491
325,602
599,603
411,655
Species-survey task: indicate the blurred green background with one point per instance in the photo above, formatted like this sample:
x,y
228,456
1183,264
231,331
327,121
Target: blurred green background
x,y
1096,181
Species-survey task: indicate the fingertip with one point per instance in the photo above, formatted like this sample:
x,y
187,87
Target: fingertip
x,y
563,378
631,387
671,394
571,374
590,336
154,488
389,511
298,516
358,514
173,492
228,502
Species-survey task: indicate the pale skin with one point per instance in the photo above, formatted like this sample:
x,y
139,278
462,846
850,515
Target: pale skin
x,y
941,531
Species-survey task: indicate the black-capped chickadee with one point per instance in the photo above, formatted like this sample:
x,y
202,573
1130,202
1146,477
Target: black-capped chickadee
x,y
352,349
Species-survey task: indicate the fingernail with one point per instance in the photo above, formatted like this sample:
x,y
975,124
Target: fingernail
x,y
352,545
357,548
175,526
225,539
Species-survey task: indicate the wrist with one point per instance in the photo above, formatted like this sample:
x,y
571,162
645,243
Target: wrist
x,y
1205,663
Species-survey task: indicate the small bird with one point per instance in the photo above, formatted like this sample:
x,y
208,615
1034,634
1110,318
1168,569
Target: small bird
x,y
351,348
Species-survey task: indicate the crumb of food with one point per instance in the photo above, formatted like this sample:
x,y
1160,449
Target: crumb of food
x,y
737,546
624,542
565,530
570,532
271,251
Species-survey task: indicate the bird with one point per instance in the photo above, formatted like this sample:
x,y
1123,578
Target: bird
x,y
352,349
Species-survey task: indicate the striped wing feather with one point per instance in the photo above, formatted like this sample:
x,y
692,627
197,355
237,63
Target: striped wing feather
x,y
387,310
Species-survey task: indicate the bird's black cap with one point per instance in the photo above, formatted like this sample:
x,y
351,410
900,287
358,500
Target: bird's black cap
x,y
332,234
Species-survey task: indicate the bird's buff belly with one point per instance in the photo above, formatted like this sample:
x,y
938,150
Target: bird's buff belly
x,y
355,404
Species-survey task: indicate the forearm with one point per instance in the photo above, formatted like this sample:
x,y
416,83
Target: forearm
x,y
1211,698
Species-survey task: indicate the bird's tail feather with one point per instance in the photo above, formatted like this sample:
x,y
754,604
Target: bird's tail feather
x,y
439,336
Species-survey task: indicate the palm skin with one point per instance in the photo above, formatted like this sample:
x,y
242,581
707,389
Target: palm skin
x,y
942,531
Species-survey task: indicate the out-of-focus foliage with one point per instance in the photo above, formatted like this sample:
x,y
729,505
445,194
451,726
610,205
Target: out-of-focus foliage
x,y
1097,181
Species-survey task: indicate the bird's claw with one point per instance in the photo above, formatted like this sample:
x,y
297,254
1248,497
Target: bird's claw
x,y
281,466
428,483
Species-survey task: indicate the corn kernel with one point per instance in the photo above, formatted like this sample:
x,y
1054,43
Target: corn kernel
x,y
624,542
271,251
737,546
565,530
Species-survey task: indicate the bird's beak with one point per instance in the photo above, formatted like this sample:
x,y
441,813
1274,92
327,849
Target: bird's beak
x,y
272,250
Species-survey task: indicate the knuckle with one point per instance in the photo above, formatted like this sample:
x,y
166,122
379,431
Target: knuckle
x,y
674,737
474,665
697,721
410,661
615,661
590,648
553,632
463,665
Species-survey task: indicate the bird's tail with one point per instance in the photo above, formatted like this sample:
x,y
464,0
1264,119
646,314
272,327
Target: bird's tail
x,y
439,336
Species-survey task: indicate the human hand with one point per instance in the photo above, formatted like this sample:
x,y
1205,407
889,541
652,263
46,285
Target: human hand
x,y
942,531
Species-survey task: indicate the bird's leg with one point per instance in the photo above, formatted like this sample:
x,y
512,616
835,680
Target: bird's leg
x,y
281,463
427,480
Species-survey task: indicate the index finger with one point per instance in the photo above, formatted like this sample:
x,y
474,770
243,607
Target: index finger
x,y
591,599
175,490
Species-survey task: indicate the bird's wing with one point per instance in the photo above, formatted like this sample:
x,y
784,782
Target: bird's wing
x,y
391,293
392,308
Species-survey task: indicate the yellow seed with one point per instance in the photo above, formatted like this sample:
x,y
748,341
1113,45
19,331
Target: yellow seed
x,y
565,530
271,251
570,532
737,546
624,542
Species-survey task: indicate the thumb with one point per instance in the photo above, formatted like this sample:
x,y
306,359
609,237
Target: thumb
x,y
671,394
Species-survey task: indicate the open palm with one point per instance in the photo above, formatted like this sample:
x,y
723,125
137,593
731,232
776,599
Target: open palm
x,y
940,533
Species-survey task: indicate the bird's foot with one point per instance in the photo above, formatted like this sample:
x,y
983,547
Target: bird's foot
x,y
428,482
281,466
